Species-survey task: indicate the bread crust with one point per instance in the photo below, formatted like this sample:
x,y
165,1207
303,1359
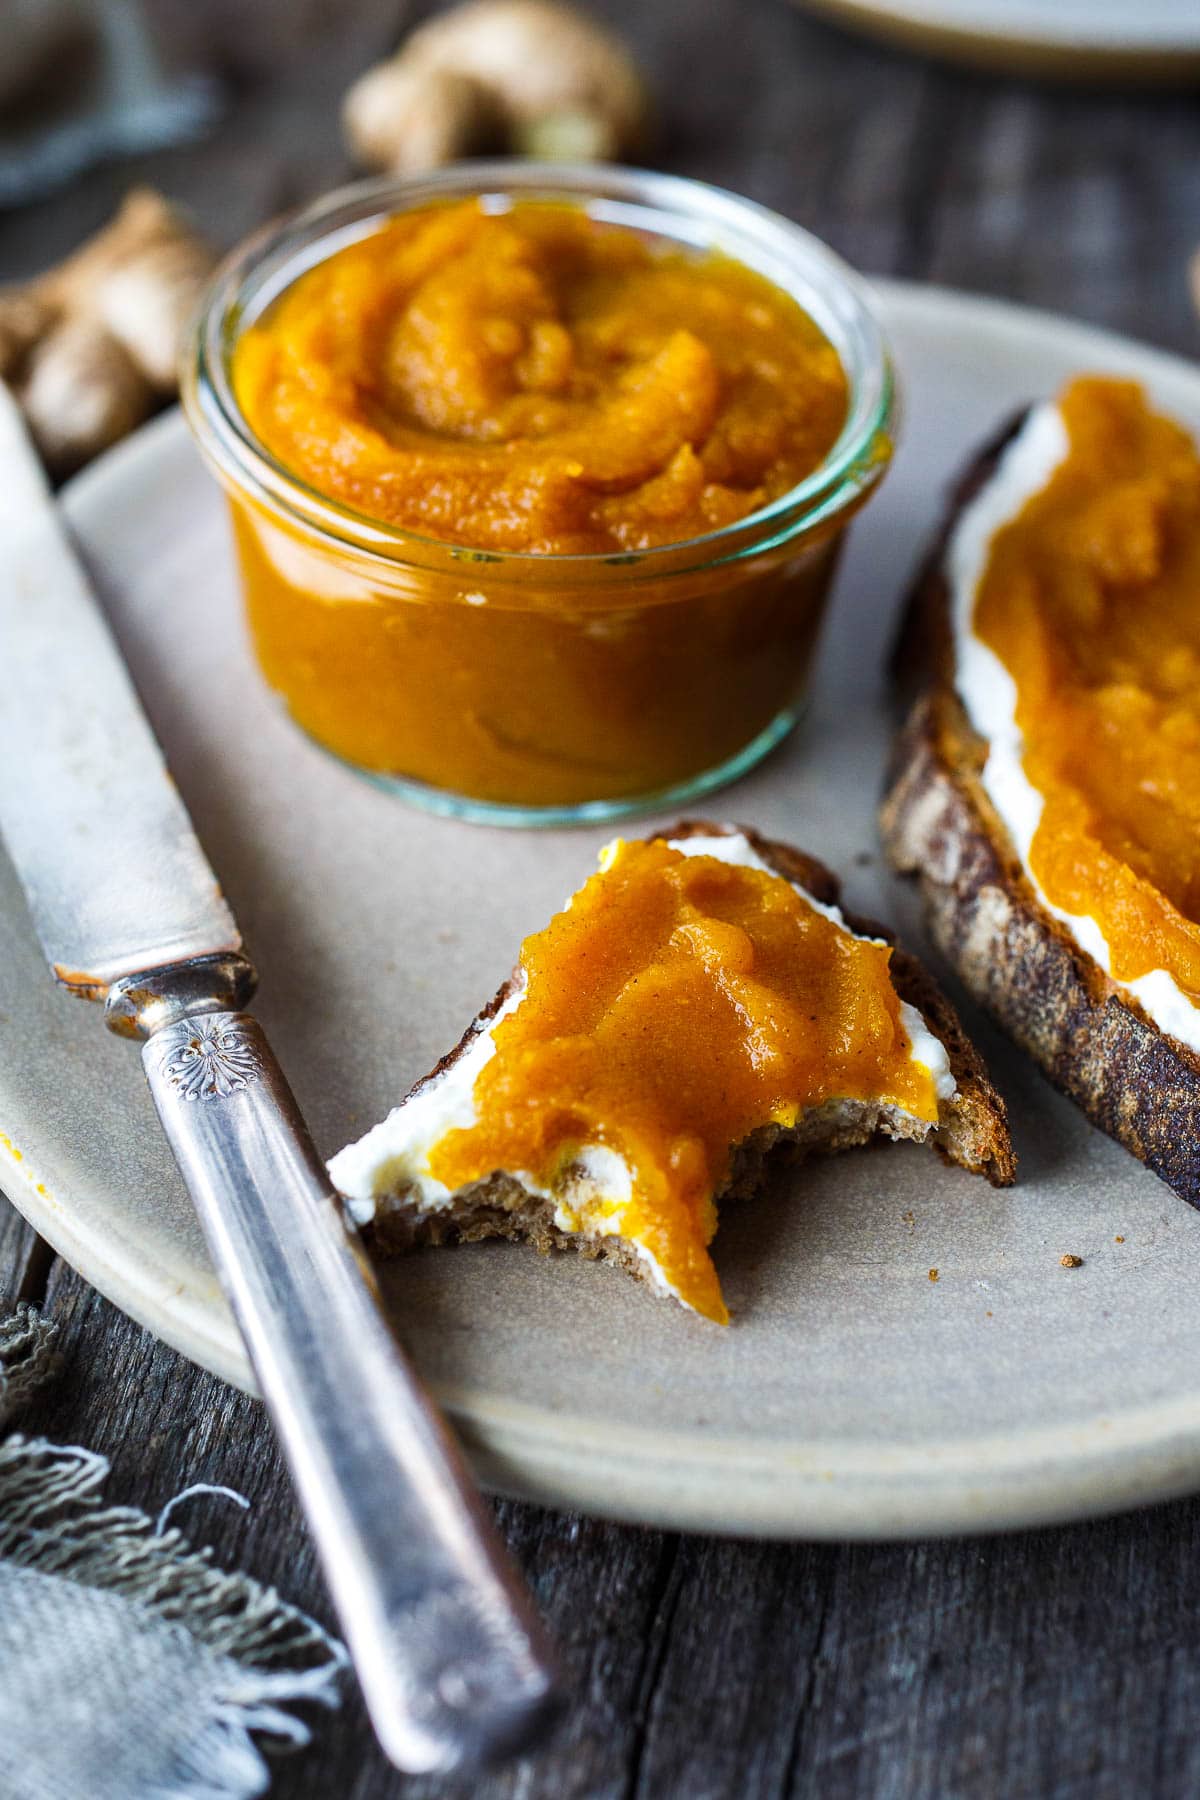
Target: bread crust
x,y
1091,1038
972,1127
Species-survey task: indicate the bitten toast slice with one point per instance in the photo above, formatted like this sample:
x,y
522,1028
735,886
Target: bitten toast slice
x,y
638,1180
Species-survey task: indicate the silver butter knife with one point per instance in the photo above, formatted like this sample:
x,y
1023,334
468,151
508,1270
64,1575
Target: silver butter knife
x,y
452,1661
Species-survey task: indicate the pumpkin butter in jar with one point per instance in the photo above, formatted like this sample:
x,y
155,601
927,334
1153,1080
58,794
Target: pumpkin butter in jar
x,y
539,478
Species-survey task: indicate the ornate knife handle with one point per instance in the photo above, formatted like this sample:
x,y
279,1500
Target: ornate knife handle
x,y
451,1659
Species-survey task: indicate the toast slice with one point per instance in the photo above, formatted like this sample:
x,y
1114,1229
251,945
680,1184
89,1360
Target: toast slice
x,y
377,1174
1089,1033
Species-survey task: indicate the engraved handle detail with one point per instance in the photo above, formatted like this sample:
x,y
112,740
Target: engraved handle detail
x,y
451,1659
212,1057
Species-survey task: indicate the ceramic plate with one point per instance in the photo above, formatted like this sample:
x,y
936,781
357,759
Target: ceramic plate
x,y
854,1394
1120,40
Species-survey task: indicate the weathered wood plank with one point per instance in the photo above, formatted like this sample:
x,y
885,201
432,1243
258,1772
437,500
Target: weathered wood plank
x,y
20,1266
1088,204
1057,1663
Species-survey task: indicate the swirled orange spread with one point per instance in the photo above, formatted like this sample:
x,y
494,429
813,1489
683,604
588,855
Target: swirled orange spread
x,y
677,1006
1091,600
534,380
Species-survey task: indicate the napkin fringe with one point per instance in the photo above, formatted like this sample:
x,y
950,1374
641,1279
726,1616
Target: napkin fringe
x,y
52,1519
258,1655
221,1761
27,1355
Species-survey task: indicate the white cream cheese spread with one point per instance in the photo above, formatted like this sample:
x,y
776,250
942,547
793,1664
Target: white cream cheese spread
x,y
989,694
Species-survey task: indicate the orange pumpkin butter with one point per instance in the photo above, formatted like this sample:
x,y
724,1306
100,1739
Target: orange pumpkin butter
x,y
1091,600
678,1005
534,380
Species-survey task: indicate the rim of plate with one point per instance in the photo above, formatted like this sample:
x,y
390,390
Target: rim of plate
x,y
1082,27
1017,1479
998,1481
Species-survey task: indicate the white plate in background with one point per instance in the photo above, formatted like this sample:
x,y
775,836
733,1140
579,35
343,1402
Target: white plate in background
x,y
1080,40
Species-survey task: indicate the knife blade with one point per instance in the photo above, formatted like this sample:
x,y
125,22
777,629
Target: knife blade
x,y
115,877
453,1665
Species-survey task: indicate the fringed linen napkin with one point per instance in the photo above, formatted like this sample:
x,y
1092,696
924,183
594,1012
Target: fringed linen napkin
x,y
130,1668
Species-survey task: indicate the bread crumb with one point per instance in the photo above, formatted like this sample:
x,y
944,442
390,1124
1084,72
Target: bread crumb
x,y
1071,1262
987,1315
933,1274
1118,1240
908,1218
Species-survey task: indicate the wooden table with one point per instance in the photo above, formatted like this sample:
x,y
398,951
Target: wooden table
x,y
1062,1663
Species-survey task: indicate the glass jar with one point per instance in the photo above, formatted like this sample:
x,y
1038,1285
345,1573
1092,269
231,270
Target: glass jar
x,y
526,688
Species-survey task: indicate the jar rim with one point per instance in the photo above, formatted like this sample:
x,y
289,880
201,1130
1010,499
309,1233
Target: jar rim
x,y
672,207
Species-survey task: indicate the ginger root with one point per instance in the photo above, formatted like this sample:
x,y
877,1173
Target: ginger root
x,y
81,392
534,76
91,345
